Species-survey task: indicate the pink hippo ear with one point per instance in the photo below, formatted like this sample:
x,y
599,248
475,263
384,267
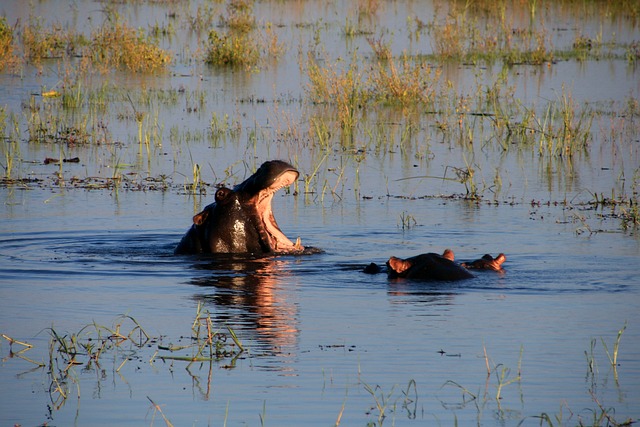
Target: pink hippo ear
x,y
200,218
448,254
398,265
499,260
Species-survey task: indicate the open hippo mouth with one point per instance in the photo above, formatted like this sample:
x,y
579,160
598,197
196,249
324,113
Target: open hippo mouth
x,y
241,219
265,183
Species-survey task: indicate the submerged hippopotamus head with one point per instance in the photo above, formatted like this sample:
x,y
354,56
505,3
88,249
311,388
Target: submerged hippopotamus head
x,y
432,266
241,220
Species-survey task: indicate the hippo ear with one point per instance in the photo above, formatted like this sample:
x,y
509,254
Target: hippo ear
x,y
398,265
222,194
199,219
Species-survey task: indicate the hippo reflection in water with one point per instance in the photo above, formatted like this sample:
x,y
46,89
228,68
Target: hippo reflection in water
x,y
432,266
241,220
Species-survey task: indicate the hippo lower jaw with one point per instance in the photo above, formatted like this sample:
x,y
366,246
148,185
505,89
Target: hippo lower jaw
x,y
269,230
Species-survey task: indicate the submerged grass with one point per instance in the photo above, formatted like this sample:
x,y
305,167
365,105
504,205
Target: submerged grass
x,y
123,342
483,399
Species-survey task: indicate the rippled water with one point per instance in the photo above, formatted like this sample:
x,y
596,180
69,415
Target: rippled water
x,y
325,343
318,330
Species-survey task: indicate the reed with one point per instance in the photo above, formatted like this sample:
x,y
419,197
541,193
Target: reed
x,y
8,58
239,16
157,409
339,87
208,343
613,356
381,400
238,46
406,221
409,83
20,353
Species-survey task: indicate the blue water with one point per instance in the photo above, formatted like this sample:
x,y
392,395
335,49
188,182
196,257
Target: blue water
x,y
319,333
325,344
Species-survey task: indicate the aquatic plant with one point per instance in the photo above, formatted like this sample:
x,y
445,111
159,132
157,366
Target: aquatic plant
x,y
239,46
232,50
410,83
613,357
385,403
601,415
20,353
123,342
239,16
8,58
157,409
56,42
209,343
461,36
116,45
342,88
407,221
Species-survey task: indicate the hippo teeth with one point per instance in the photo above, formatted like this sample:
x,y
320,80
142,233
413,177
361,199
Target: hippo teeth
x,y
298,244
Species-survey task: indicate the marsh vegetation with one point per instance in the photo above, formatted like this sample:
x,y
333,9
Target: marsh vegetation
x,y
532,106
442,92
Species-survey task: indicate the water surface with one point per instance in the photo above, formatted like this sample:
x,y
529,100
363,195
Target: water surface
x,y
82,244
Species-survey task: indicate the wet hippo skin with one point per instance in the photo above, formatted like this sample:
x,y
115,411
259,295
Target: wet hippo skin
x,y
241,220
432,266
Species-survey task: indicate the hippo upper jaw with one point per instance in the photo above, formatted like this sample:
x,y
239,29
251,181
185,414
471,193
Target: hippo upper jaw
x,y
272,237
241,219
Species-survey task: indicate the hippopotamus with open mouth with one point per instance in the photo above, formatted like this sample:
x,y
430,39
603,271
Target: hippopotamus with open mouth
x,y
241,221
432,266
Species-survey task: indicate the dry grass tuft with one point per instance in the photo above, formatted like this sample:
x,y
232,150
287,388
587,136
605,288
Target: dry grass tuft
x,y
120,46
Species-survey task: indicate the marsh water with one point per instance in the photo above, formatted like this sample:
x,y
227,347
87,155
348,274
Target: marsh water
x,y
82,244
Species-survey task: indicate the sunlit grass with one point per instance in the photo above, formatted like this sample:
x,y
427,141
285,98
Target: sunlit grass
x,y
239,44
41,43
116,45
8,57
407,83
232,49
